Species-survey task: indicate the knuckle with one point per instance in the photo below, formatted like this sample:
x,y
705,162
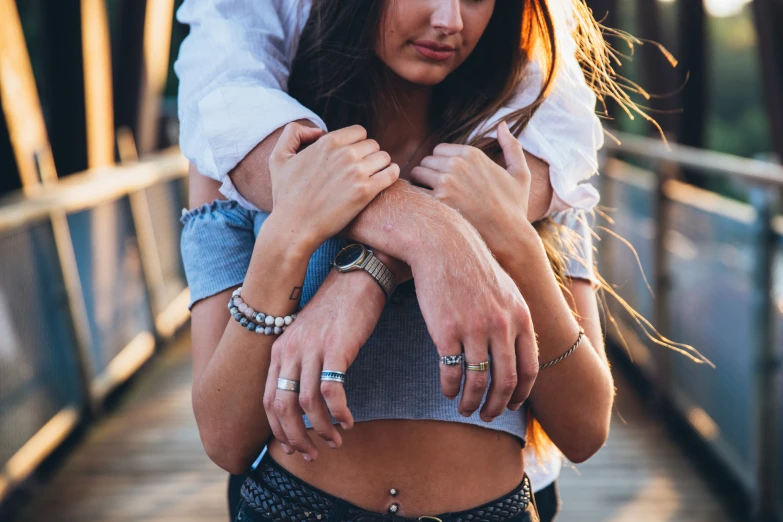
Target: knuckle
x,y
508,384
339,412
306,400
359,130
324,434
351,155
500,322
528,372
477,385
280,407
297,443
362,191
477,323
269,402
329,390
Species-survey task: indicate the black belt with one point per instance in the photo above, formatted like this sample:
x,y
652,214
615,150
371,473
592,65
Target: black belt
x,y
273,493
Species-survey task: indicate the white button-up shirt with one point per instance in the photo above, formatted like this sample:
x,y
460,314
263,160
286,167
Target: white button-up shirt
x,y
233,69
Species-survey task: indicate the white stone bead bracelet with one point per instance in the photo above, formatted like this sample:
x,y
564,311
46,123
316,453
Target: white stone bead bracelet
x,y
257,322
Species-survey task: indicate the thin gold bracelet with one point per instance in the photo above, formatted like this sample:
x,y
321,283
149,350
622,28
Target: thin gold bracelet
x,y
569,352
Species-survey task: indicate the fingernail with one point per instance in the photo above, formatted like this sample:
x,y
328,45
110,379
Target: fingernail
x,y
286,449
344,426
514,407
487,419
307,457
464,414
332,444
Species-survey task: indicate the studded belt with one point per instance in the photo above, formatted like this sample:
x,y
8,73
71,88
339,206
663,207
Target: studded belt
x,y
272,493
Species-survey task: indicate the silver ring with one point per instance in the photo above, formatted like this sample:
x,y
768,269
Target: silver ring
x,y
451,360
478,367
287,385
333,375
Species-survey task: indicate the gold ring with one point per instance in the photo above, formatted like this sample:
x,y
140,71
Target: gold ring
x,y
478,367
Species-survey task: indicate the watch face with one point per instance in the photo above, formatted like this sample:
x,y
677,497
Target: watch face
x,y
349,255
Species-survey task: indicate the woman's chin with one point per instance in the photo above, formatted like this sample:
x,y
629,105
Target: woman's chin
x,y
426,78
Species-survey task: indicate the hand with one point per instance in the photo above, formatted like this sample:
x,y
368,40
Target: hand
x,y
319,190
491,198
296,356
470,303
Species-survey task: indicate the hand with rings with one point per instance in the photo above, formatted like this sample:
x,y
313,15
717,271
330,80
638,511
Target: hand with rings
x,y
319,370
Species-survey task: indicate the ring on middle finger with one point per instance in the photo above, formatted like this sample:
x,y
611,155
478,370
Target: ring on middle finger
x,y
333,375
478,367
287,385
451,360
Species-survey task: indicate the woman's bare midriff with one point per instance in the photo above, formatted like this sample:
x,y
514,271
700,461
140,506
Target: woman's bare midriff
x,y
435,467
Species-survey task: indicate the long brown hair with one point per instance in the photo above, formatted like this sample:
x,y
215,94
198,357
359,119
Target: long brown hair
x,y
337,75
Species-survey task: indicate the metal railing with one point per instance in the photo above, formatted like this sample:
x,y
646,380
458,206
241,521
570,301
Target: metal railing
x,y
712,263
90,281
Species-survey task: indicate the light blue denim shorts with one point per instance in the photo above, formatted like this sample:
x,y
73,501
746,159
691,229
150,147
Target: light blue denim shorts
x,y
217,242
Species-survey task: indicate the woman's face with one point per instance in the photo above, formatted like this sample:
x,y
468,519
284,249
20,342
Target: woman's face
x,y
423,41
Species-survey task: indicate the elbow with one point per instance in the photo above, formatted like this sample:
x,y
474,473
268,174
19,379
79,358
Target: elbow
x,y
221,443
591,439
226,455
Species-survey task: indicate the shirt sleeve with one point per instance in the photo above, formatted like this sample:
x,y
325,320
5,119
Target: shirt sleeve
x,y
233,70
578,244
565,131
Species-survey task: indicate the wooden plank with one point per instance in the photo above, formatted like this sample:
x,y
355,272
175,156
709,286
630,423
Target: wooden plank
x,y
145,463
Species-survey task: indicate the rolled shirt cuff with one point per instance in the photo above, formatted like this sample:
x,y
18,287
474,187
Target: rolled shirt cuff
x,y
236,118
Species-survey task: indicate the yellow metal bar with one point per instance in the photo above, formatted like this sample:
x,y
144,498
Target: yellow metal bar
x,y
99,106
157,41
174,315
91,188
124,364
35,450
21,105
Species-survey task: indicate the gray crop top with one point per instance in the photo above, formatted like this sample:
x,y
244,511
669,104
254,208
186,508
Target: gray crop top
x,y
396,374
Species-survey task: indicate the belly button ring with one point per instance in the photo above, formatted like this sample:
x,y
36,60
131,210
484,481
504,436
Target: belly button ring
x,y
393,492
394,508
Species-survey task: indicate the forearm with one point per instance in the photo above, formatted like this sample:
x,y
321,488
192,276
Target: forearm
x,y
232,383
393,219
572,399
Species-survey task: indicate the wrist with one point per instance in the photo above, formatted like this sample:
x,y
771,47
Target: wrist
x,y
360,285
515,237
439,234
399,269
277,235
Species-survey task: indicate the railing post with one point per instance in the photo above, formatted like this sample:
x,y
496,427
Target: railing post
x,y
766,359
662,282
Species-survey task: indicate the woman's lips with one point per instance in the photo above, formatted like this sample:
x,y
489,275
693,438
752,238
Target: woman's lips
x,y
433,50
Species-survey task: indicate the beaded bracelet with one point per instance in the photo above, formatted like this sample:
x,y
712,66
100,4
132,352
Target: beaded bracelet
x,y
257,322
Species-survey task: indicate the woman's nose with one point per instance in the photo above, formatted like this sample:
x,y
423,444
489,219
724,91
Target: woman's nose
x,y
447,17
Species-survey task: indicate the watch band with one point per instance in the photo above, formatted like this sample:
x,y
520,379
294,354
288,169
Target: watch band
x,y
380,272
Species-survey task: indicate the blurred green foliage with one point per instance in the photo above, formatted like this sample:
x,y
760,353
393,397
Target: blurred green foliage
x,y
736,120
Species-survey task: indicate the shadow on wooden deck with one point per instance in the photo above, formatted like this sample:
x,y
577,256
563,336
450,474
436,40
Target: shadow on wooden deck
x,y
144,463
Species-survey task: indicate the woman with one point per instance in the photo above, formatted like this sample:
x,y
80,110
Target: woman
x,y
388,464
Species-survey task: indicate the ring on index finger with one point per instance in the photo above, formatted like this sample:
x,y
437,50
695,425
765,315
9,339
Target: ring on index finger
x,y
333,375
451,360
287,385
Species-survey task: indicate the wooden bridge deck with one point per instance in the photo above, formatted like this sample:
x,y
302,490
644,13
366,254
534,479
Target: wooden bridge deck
x,y
144,463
